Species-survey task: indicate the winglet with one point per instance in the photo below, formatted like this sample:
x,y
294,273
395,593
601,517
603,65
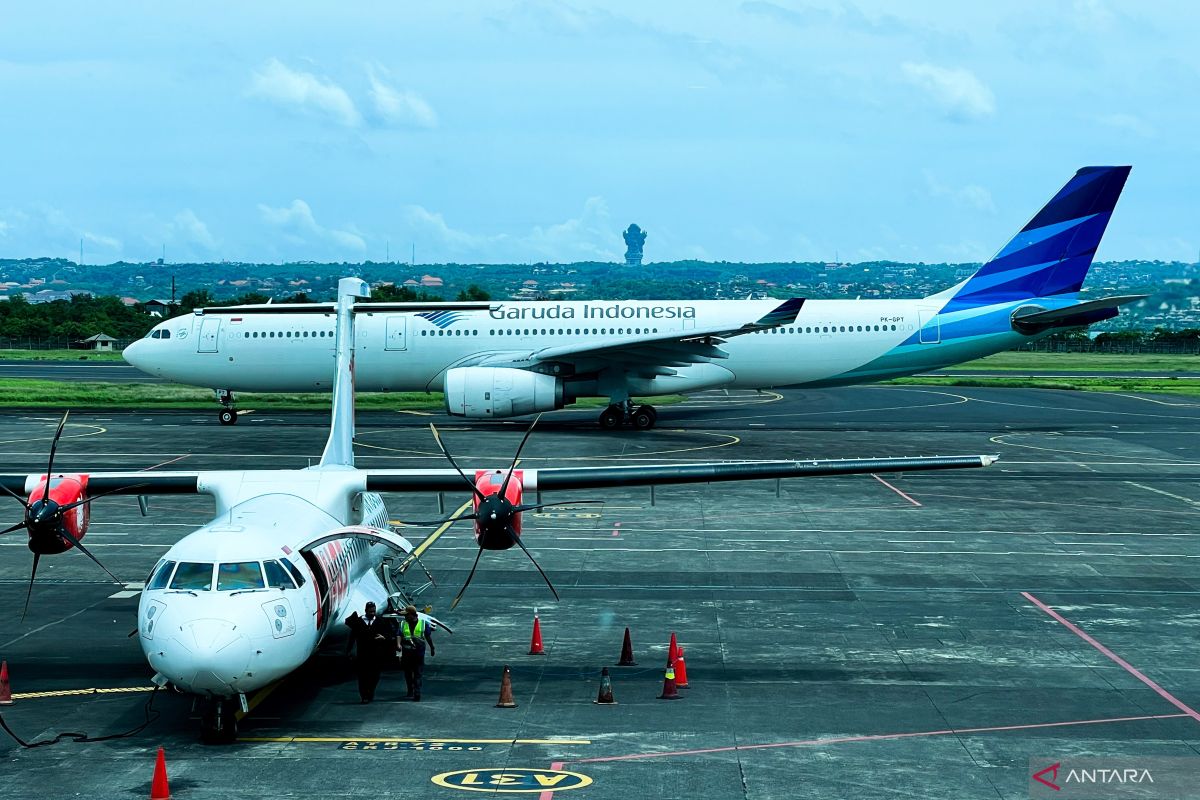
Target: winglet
x,y
339,449
783,314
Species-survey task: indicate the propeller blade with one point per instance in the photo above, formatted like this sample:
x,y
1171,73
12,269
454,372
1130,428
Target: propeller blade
x,y
67,535
86,500
437,522
536,506
517,539
29,592
517,457
20,524
471,575
11,493
54,446
437,437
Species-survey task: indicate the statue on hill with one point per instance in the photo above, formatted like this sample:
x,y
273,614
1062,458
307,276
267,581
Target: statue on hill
x,y
635,237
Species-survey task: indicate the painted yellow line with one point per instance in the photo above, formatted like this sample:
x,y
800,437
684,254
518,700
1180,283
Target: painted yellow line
x,y
77,692
343,739
257,698
433,537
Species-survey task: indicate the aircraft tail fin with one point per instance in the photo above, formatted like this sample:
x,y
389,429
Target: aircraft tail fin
x,y
339,449
1050,255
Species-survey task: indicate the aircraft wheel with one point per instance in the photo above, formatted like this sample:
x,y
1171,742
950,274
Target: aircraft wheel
x,y
644,418
228,416
611,418
219,722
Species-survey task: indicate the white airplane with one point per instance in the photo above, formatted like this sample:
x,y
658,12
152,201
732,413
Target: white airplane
x,y
247,598
516,358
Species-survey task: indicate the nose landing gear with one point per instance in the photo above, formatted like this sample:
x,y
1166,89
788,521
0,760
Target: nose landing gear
x,y
219,721
228,414
640,417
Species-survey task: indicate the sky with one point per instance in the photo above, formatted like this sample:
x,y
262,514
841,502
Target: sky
x,y
504,132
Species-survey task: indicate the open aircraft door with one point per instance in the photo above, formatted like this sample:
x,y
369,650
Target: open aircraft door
x,y
931,326
397,333
209,329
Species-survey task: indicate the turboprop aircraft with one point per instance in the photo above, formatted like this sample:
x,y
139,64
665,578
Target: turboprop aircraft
x,y
247,598
516,358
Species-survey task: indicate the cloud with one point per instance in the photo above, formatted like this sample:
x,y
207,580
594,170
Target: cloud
x,y
110,242
962,95
304,93
399,107
971,196
192,229
300,227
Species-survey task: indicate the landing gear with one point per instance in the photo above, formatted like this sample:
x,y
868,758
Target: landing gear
x,y
227,415
219,721
642,418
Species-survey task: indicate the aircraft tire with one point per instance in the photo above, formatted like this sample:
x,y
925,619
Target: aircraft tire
x,y
611,418
227,416
644,418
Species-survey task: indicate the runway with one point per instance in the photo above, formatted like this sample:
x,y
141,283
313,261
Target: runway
x,y
871,636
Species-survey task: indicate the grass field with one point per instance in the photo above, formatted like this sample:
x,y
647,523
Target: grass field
x,y
1084,362
59,355
1122,385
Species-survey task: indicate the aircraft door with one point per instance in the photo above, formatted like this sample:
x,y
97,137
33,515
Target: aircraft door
x,y
931,326
397,330
209,328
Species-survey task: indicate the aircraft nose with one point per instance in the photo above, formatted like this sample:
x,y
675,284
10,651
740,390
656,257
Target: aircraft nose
x,y
210,656
136,354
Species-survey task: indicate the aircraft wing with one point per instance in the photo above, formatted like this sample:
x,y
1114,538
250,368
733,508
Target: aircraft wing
x,y
142,483
659,352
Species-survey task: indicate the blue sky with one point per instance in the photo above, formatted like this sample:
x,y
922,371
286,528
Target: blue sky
x,y
536,131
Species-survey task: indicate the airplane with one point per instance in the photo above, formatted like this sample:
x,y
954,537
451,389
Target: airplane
x,y
515,358
247,598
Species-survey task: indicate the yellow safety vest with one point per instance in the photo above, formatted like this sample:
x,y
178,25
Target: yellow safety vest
x,y
407,632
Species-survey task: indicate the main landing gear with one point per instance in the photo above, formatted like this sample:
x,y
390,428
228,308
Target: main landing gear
x,y
218,720
228,414
640,417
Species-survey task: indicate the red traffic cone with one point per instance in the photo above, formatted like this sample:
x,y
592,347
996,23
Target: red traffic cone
x,y
673,650
5,689
627,652
535,644
506,695
669,690
159,790
681,671
605,697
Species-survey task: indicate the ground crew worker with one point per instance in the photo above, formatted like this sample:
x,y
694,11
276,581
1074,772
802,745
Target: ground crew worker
x,y
375,638
415,633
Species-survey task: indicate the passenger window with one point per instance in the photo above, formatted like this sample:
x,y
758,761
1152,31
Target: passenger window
x,y
193,576
296,573
161,574
277,576
240,575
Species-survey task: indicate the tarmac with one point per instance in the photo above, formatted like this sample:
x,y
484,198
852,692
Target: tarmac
x,y
870,636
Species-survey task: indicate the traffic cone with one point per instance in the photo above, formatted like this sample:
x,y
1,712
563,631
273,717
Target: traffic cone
x,y
506,697
535,645
669,690
605,697
159,790
627,652
5,689
681,671
673,650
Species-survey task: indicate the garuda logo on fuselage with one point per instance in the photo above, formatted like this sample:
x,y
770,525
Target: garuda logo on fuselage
x,y
443,319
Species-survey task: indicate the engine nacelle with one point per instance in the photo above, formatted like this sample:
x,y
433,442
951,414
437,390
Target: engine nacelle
x,y
495,392
65,490
495,534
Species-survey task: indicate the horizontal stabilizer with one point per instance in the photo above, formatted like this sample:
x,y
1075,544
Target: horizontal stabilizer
x,y
1033,319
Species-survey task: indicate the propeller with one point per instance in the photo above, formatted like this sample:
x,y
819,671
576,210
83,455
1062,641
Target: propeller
x,y
495,516
43,520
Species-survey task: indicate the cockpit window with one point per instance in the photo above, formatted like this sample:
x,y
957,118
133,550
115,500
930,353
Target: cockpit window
x,y
296,573
277,576
241,575
160,575
191,575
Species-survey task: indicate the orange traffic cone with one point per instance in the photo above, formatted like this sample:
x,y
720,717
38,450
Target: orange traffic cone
x,y
605,697
669,690
506,696
673,650
535,645
627,652
159,790
5,689
681,671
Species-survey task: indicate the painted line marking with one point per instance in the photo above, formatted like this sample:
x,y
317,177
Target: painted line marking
x,y
1191,503
413,412
894,489
874,738
76,692
1163,693
344,739
164,463
257,698
420,549
549,793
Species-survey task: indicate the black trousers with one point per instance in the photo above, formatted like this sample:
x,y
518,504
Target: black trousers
x,y
413,662
368,678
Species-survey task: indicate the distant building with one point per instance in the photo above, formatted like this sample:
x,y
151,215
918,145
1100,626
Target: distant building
x,y
431,281
102,342
157,308
635,239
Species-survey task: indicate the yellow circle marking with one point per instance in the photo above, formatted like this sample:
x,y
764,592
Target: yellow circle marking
x,y
512,780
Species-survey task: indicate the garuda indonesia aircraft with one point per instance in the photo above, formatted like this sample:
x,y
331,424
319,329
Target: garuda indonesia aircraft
x,y
247,598
515,358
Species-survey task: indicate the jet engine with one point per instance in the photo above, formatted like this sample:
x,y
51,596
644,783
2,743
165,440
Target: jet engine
x,y
495,392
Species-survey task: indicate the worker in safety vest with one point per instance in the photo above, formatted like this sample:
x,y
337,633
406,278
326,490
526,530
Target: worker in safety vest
x,y
415,633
